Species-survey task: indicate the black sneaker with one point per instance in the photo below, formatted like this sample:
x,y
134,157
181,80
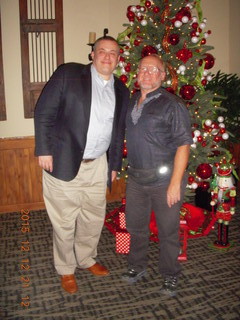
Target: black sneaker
x,y
132,276
169,286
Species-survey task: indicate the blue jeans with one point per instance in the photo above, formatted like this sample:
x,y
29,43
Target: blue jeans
x,y
140,201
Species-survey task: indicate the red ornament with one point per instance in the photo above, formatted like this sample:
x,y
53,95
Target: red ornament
x,y
209,61
136,85
204,171
193,33
173,39
222,130
148,50
204,82
217,138
123,78
205,185
156,9
131,16
170,89
195,25
136,42
204,143
140,18
184,12
148,4
187,92
184,55
190,179
127,68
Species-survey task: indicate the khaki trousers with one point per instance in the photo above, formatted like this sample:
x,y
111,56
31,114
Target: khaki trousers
x,y
77,211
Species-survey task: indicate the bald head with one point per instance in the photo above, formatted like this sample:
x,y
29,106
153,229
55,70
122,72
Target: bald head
x,y
151,73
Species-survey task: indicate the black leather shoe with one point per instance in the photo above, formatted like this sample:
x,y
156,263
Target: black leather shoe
x,y
169,286
132,276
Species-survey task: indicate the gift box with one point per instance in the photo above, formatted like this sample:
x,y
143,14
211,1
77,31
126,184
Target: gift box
x,y
122,220
122,242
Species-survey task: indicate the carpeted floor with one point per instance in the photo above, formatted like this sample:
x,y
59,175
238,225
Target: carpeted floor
x,y
209,287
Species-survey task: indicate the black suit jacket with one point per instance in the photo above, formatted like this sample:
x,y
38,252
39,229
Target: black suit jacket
x,y
62,116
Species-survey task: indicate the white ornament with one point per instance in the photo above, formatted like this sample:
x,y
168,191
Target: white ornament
x,y
189,5
205,73
126,53
133,9
208,122
197,133
123,71
193,146
225,136
205,134
220,119
182,68
221,125
206,35
138,14
194,39
214,132
185,19
177,24
205,20
194,19
197,33
169,82
202,25
194,185
121,64
195,139
178,71
209,78
144,23
142,9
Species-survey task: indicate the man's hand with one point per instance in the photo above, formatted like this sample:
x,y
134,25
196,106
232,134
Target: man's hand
x,y
180,164
114,175
173,194
46,162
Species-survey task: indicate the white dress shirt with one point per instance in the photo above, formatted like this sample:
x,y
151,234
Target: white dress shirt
x,y
101,116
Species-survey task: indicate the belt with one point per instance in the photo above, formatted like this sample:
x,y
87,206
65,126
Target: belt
x,y
87,160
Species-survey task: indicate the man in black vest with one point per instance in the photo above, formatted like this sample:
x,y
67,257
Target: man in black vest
x,y
79,123
158,143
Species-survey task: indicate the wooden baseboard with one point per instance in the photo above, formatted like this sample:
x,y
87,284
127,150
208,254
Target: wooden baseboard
x,y
21,177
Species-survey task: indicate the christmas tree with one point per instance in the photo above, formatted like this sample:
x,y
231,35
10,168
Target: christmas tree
x,y
176,31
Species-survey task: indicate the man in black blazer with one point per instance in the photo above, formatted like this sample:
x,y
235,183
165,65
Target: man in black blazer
x,y
79,133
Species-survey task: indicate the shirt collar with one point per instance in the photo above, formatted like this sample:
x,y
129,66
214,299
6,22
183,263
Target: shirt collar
x,y
99,79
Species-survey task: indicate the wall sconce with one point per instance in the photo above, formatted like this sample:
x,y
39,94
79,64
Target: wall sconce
x,y
92,39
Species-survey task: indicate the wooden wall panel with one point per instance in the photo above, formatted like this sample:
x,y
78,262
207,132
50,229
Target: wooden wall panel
x,y
21,177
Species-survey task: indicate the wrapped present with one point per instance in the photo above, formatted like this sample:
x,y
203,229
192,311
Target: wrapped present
x,y
122,220
122,242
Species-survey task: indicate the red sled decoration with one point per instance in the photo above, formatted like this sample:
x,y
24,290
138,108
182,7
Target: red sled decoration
x,y
122,242
194,222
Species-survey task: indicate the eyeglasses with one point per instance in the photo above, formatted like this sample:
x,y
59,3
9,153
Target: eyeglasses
x,y
149,69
